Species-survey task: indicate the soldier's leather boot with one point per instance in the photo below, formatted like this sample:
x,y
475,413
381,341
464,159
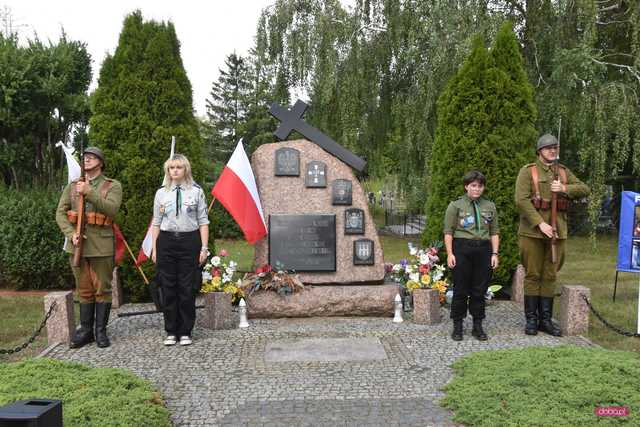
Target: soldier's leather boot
x,y
84,334
531,314
456,335
545,308
102,318
477,330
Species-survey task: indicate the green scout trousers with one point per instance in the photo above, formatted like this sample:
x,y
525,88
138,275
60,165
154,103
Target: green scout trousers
x,y
541,273
93,278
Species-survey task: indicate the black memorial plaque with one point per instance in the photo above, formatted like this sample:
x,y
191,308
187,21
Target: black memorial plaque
x,y
287,162
354,221
341,192
302,242
316,175
363,252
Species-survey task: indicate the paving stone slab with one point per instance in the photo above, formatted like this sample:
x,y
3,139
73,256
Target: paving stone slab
x,y
226,378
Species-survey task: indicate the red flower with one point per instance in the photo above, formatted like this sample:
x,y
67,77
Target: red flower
x,y
433,251
424,268
264,269
224,253
216,272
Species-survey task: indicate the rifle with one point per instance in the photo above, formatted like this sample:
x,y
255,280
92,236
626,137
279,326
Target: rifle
x,y
80,225
554,202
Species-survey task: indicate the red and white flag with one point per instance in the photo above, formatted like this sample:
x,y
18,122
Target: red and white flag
x,y
145,248
237,191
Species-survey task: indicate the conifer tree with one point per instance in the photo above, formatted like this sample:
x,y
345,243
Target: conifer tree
x,y
143,99
485,122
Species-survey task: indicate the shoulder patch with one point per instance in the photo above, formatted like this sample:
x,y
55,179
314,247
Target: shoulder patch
x,y
196,185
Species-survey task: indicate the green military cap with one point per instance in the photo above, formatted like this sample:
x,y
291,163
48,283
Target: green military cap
x,y
96,152
546,140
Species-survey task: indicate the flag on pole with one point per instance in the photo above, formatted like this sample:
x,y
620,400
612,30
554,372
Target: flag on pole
x,y
146,247
120,248
73,167
237,191
147,243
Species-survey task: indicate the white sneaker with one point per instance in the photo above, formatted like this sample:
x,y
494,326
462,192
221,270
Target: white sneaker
x,y
170,340
185,340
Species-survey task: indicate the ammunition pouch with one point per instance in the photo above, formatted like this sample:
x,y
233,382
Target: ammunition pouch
x,y
545,205
92,218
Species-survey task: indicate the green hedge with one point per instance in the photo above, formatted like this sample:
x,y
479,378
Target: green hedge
x,y
31,255
90,396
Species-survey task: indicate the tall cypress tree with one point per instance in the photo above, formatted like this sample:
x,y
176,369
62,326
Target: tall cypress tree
x,y
485,122
143,98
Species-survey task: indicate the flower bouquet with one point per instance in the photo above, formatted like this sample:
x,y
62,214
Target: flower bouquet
x,y
218,276
423,270
269,279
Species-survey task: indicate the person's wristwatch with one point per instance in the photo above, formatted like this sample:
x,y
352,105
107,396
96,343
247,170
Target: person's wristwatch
x,y
494,253
204,249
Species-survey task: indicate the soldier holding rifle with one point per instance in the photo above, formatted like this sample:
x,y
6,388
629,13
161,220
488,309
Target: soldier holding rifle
x,y
85,215
543,192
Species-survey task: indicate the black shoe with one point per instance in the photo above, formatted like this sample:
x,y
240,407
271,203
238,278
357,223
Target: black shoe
x,y
456,335
545,308
531,314
477,330
102,318
84,334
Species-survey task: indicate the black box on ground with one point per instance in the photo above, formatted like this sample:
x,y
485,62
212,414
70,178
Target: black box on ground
x,y
32,413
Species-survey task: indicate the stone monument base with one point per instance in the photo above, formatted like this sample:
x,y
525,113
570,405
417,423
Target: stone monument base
x,y
347,300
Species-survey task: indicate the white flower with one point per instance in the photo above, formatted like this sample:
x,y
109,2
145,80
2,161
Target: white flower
x,y
424,259
206,276
408,268
412,249
226,278
215,261
437,275
415,277
396,268
232,266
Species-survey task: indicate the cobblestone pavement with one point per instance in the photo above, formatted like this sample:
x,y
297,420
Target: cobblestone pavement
x,y
223,378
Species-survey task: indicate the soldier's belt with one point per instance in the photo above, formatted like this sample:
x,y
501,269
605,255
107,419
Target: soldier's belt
x,y
545,205
92,218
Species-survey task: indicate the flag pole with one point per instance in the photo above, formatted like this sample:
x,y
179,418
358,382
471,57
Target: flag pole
x,y
144,277
211,205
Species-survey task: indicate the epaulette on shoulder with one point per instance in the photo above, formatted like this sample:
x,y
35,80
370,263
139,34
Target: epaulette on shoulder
x,y
196,185
162,186
528,165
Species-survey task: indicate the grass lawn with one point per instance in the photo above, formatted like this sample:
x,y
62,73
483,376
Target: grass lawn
x,y
596,269
90,396
21,316
554,386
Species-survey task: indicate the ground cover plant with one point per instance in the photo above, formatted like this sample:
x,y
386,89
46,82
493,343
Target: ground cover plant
x,y
90,396
544,386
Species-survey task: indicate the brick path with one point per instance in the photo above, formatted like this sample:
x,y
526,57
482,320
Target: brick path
x,y
223,378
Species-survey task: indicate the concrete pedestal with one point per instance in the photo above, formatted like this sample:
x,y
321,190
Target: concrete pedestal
x,y
426,306
62,323
574,311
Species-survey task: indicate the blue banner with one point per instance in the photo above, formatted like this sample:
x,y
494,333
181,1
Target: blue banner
x,y
629,236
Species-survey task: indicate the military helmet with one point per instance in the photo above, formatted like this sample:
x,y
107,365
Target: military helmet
x,y
546,140
96,152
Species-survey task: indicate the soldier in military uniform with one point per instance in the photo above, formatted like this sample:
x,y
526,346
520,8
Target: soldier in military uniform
x,y
471,237
534,187
93,277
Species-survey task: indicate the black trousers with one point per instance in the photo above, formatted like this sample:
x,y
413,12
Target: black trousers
x,y
471,277
177,272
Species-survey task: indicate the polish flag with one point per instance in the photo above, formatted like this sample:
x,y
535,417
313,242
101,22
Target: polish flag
x,y
237,191
145,250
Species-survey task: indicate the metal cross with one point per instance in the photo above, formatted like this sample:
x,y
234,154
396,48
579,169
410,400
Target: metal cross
x,y
316,173
292,120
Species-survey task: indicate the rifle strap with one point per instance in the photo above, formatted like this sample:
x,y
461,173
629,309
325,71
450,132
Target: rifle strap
x,y
535,178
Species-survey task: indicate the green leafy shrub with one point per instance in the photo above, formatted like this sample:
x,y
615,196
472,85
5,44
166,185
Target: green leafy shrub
x,y
90,396
544,387
31,255
486,119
